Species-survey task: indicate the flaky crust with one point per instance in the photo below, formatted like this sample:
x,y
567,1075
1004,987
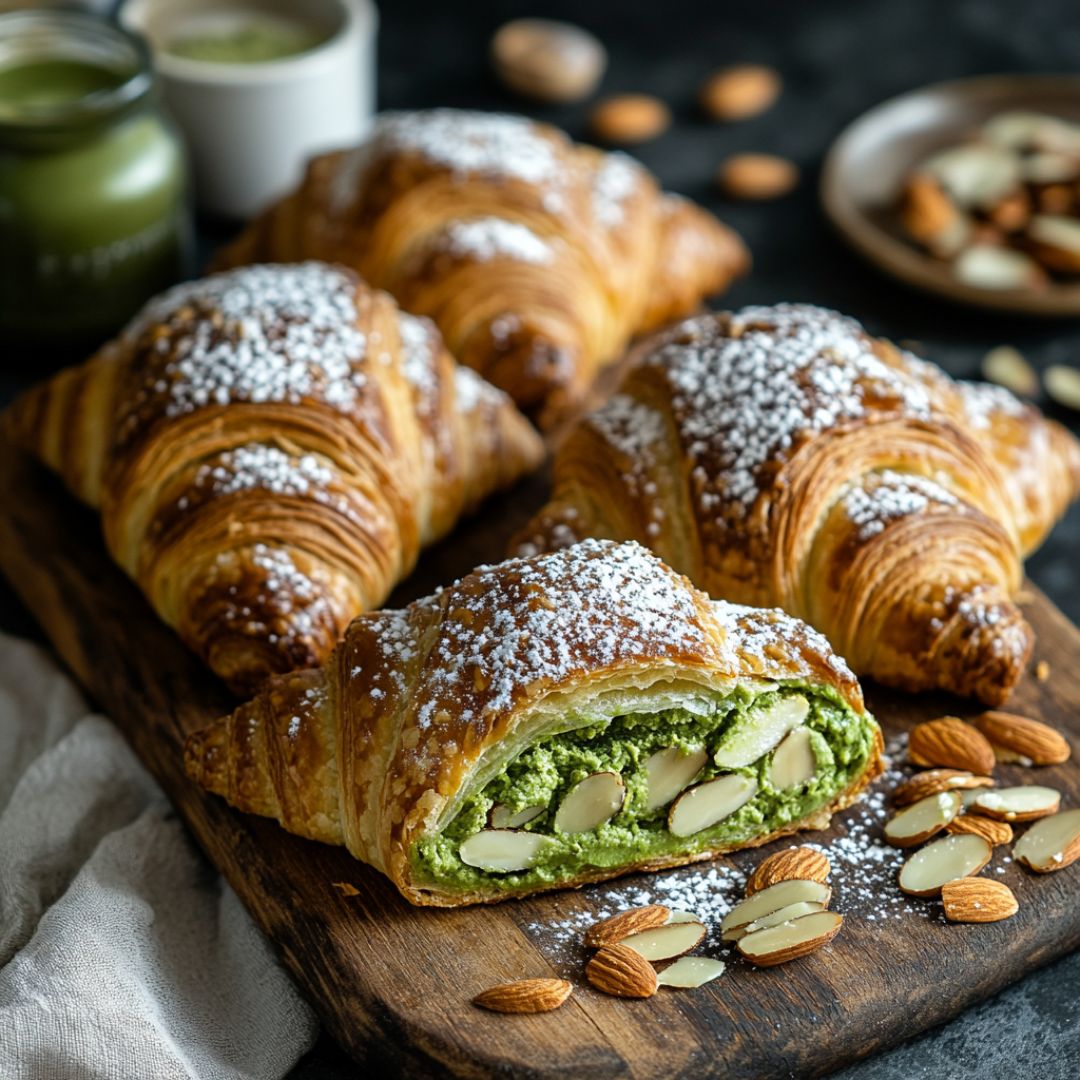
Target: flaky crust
x,y
537,258
783,456
416,708
269,450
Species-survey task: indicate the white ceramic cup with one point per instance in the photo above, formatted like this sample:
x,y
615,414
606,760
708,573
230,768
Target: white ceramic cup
x,y
251,127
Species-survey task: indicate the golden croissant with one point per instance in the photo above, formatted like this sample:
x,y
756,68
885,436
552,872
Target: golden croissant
x,y
537,258
782,456
548,722
269,449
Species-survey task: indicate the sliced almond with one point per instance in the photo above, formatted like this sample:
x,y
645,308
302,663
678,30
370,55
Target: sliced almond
x,y
1050,168
978,900
793,761
1024,803
951,743
931,217
612,930
1063,385
690,972
921,820
709,803
669,771
502,817
1007,367
664,942
760,730
995,833
1019,129
989,266
1050,844
1011,757
794,864
790,940
944,860
1055,241
591,802
502,851
683,916
932,781
525,996
621,972
781,895
1029,738
774,918
976,175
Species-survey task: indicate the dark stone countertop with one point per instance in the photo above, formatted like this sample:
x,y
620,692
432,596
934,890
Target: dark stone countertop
x,y
837,59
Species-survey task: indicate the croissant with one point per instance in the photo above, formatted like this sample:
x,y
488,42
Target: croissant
x,y
269,449
536,257
782,456
548,722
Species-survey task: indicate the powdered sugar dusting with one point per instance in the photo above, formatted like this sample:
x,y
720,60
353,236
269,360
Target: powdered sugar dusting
x,y
887,496
982,400
613,183
489,238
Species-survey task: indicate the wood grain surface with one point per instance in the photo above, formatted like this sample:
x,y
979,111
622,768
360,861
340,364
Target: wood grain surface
x,y
393,983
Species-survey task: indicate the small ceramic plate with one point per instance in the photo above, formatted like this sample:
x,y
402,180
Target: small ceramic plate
x,y
867,165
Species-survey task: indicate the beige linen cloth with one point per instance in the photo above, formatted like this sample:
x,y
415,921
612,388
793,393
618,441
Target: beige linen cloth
x,y
123,955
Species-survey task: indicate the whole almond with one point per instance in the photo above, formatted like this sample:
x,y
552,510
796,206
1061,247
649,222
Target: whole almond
x,y
630,118
934,781
614,929
547,59
621,972
757,176
525,996
794,864
952,744
1028,738
978,900
737,93
993,832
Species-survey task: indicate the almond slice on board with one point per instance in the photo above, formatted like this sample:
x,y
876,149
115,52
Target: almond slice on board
x,y
978,900
683,916
616,927
1006,366
944,860
591,802
1063,385
789,940
1050,844
921,820
621,972
525,996
932,781
1025,803
797,863
951,743
502,817
785,914
664,942
771,899
690,972
669,771
708,803
502,851
994,832
1029,738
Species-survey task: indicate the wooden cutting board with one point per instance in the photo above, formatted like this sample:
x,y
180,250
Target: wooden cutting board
x,y
393,983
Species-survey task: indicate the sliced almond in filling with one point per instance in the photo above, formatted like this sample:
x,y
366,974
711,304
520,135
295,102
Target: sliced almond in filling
x,y
932,781
942,861
793,761
690,972
789,940
669,771
502,817
1050,844
502,850
708,803
760,730
773,898
921,820
785,914
1024,803
591,802
664,942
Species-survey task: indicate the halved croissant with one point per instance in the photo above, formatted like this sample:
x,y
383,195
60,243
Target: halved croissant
x,y
782,456
537,258
269,449
448,744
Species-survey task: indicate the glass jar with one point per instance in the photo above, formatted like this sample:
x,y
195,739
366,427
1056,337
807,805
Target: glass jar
x,y
94,213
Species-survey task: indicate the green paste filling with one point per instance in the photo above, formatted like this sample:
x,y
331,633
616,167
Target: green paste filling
x,y
546,772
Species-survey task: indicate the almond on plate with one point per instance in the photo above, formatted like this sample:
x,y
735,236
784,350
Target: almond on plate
x,y
621,972
1050,844
802,863
978,900
790,940
737,93
525,996
932,218
1032,739
944,860
932,781
1025,803
993,832
950,743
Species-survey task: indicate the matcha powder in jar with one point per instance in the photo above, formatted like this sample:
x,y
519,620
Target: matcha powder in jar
x,y
94,215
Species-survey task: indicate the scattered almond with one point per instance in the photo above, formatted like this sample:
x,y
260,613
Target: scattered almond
x,y
978,900
1055,241
1028,738
942,861
630,118
548,60
1050,844
664,942
525,996
770,899
932,218
923,819
690,972
757,176
737,93
797,863
995,833
1063,385
1042,671
621,972
932,781
790,940
1024,803
990,266
1007,367
951,743
612,930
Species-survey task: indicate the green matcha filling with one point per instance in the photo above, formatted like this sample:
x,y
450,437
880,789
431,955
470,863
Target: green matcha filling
x,y
836,742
